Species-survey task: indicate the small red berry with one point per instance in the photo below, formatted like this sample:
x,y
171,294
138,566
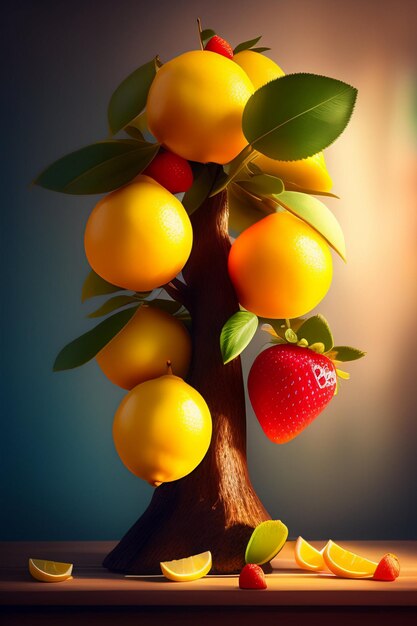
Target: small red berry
x,y
288,387
252,577
388,568
171,171
219,45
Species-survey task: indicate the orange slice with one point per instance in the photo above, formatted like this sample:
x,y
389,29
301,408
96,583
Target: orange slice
x,y
347,564
50,571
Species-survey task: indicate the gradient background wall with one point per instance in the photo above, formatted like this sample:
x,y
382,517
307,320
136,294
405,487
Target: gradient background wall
x,y
352,473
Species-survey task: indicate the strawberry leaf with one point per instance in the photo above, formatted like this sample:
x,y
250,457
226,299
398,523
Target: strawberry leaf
x,y
129,99
236,334
85,348
94,285
246,45
296,116
206,35
346,353
317,215
316,330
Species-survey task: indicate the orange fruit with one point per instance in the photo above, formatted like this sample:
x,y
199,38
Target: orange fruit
x,y
280,267
162,429
195,106
138,237
140,351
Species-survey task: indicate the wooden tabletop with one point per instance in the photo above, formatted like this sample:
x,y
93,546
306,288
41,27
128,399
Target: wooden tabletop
x,y
92,585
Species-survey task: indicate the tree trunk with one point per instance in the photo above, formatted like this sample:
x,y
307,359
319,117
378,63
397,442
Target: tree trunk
x,y
215,507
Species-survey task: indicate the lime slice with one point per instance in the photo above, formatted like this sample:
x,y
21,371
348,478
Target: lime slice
x,y
266,541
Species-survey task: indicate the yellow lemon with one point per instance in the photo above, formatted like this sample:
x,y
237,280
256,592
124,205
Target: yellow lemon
x,y
142,348
258,67
162,429
347,564
307,557
50,571
195,106
280,267
138,237
310,173
190,568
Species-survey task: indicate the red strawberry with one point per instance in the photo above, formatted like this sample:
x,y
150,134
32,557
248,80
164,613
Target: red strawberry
x,y
252,577
219,45
288,387
388,568
171,171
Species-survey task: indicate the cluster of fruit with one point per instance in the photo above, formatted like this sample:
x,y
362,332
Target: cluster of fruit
x,y
266,541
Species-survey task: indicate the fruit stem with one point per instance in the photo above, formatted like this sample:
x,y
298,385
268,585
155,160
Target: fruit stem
x,y
169,368
287,323
200,32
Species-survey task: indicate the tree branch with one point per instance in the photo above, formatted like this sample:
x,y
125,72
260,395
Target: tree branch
x,y
178,291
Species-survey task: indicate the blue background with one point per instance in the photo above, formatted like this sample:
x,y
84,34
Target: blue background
x,y
352,473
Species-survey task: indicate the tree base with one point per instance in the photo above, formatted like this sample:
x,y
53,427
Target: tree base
x,y
172,528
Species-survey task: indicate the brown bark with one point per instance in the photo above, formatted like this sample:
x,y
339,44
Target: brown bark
x,y
215,507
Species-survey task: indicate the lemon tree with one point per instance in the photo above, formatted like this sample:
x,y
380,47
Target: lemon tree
x,y
171,284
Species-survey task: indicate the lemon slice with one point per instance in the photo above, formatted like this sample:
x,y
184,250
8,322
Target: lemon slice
x,y
307,557
347,564
266,541
191,568
50,571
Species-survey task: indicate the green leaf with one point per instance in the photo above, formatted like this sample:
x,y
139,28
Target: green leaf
x,y
236,334
135,133
246,45
263,184
317,330
244,209
98,168
85,348
260,50
94,285
206,34
200,189
169,306
296,116
317,215
346,353
117,302
129,99
233,169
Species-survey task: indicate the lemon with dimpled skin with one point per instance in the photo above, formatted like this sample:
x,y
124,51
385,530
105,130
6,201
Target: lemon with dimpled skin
x,y
195,106
162,429
138,237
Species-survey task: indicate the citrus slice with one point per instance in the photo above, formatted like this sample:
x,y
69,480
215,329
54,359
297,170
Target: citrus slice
x,y
191,568
307,557
50,571
266,541
347,564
